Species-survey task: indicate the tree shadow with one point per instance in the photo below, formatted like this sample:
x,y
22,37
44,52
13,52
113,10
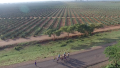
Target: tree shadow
x,y
78,47
38,66
105,42
73,63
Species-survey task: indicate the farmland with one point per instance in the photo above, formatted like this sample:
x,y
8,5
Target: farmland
x,y
33,19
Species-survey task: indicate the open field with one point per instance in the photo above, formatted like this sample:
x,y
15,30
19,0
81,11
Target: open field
x,y
33,19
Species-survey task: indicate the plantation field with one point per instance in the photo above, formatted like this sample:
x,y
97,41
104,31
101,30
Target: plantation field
x,y
33,19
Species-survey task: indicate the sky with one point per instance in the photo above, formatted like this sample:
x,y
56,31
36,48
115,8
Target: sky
x,y
16,1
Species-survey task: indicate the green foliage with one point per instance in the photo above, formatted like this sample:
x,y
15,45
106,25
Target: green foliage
x,y
111,66
57,32
18,48
98,25
83,28
68,41
38,45
49,32
63,45
113,52
70,29
63,29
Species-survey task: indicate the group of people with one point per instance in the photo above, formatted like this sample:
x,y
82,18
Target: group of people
x,y
62,57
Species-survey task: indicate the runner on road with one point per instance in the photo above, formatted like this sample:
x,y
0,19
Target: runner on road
x,y
68,54
59,56
57,60
35,63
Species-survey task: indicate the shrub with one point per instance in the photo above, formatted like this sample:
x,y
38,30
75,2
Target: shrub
x,y
68,41
3,38
38,45
63,44
18,48
110,66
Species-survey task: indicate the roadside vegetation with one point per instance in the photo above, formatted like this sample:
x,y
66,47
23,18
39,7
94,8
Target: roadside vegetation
x,y
113,53
23,52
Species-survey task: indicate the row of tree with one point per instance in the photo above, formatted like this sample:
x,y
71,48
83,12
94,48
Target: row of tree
x,y
87,29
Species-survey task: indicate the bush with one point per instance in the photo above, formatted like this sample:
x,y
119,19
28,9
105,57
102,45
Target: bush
x,y
68,41
18,48
112,66
38,45
63,44
3,38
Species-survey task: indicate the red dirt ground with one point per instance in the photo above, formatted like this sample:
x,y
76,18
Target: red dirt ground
x,y
74,21
55,25
62,22
68,21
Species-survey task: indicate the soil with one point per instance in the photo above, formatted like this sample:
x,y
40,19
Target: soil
x,y
74,21
68,22
62,22
55,25
72,13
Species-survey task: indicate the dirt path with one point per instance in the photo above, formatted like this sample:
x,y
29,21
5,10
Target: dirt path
x,y
100,65
45,37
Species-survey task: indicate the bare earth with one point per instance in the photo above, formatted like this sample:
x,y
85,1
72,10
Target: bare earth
x,y
45,37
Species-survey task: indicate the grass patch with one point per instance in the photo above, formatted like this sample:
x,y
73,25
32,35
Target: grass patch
x,y
35,50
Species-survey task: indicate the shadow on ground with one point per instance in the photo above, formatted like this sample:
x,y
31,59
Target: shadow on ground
x,y
73,63
106,42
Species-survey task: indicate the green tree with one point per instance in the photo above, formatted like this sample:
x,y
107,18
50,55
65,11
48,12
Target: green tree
x,y
57,32
83,28
91,28
50,32
68,29
77,27
113,52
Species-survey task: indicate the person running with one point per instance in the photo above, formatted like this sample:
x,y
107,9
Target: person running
x,y
65,56
68,54
59,56
62,57
57,60
35,63
54,58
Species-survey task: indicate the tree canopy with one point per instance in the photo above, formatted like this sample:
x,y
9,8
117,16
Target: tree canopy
x,y
87,29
